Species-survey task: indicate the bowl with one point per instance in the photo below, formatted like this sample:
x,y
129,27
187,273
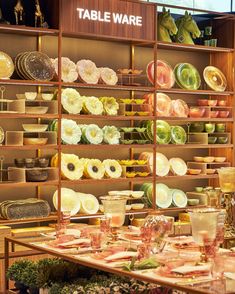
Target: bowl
x,y
197,127
212,140
214,113
198,189
210,128
192,202
222,103
35,141
47,96
36,175
101,207
30,162
209,159
196,112
224,113
212,102
202,102
30,96
128,206
220,159
194,171
19,162
20,96
43,162
34,128
137,194
198,159
210,171
222,140
220,128
36,109
137,206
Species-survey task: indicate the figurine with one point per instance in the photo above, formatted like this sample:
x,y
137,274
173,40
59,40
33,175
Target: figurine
x,y
166,26
19,13
187,26
39,19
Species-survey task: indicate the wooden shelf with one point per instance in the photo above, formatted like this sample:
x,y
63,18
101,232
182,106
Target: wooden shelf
x,y
107,117
27,184
195,92
107,87
106,146
29,220
28,83
26,30
192,119
103,181
195,146
29,147
25,115
178,209
186,177
195,48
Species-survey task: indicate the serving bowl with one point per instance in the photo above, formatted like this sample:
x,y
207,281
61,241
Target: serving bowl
x,y
36,109
209,159
220,127
42,162
220,159
137,206
35,141
198,158
222,140
214,113
212,140
31,96
212,102
210,171
34,128
210,128
222,103
202,102
196,112
199,189
19,162
47,96
224,113
36,175
194,171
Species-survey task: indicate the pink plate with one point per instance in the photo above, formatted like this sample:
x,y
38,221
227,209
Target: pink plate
x,y
179,108
163,105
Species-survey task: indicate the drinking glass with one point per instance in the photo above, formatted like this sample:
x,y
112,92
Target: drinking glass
x,y
96,240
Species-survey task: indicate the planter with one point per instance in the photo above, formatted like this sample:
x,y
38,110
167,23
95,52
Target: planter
x,y
33,290
43,291
21,287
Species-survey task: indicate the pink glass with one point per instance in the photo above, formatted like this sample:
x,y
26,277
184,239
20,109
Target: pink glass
x,y
218,265
144,250
96,238
60,229
65,217
105,224
146,234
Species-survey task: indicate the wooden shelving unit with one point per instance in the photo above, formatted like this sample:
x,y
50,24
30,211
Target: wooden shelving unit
x,y
58,42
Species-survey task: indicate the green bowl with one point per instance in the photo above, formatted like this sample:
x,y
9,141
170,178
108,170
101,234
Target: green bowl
x,y
199,189
212,140
210,128
222,140
220,128
197,127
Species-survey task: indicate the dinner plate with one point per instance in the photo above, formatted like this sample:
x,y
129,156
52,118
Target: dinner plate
x,y
187,76
163,105
179,198
214,78
178,166
69,201
162,165
163,196
6,66
163,132
178,135
179,108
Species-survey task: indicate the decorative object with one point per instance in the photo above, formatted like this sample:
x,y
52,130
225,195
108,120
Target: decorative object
x,y
187,76
19,13
215,79
166,26
39,18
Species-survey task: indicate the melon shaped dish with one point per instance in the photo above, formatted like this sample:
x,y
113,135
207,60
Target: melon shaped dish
x,y
69,73
92,134
110,105
111,135
108,76
69,201
71,167
162,165
112,168
163,196
165,74
70,132
71,101
178,166
179,198
94,169
88,72
6,66
89,203
92,105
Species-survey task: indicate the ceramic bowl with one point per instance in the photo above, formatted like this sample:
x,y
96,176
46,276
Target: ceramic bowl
x,y
210,128
35,141
36,175
220,128
47,96
212,102
194,171
224,113
220,159
36,109
193,202
34,128
20,96
222,103
210,171
198,189
198,159
209,159
43,162
19,162
222,140
214,113
137,206
202,102
30,162
196,112
212,140
128,207
30,96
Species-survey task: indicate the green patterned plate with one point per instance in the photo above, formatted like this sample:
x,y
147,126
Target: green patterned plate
x,y
187,76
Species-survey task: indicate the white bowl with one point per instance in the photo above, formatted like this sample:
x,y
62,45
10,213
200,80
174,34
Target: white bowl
x,y
36,110
47,96
30,96
137,206
20,96
34,128
137,194
128,207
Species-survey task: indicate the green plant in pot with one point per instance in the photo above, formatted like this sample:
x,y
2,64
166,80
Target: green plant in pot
x,y
30,277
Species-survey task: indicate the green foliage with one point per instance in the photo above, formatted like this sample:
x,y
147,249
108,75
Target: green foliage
x,y
18,269
30,275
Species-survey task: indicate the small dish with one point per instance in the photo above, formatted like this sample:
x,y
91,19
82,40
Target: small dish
x,y
194,171
142,174
135,206
212,102
198,189
35,141
30,162
36,175
209,159
42,162
128,207
222,140
124,71
202,102
139,101
210,128
220,159
214,113
198,159
196,112
34,128
136,71
224,113
210,171
36,110
212,140
20,96
127,142
31,96
19,162
220,128
142,113
130,113
47,96
137,194
193,202
130,174
222,103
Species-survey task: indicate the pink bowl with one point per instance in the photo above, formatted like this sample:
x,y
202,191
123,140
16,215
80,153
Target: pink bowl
x,y
224,114
214,114
196,112
222,103
202,102
212,102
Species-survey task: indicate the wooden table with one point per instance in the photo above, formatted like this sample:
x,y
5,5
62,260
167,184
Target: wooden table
x,y
210,287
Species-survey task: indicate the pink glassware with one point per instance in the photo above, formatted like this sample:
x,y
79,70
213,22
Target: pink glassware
x,y
105,224
60,229
146,234
144,250
96,240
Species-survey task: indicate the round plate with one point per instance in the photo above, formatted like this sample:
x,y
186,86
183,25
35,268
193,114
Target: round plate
x,y
165,74
187,76
39,66
163,196
162,165
163,105
2,135
178,166
6,66
215,79
163,132
69,201
179,198
178,135
179,108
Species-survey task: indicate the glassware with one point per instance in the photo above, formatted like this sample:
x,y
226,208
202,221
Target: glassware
x,y
227,179
105,224
96,240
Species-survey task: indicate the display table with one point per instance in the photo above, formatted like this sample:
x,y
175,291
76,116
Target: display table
x,y
192,285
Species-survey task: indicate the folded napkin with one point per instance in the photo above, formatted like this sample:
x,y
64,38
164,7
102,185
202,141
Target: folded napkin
x,y
229,275
188,269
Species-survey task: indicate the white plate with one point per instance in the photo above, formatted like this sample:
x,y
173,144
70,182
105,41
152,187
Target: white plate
x,y
163,196
162,165
178,166
179,198
69,201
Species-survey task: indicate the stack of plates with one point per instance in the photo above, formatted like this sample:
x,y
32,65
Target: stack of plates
x,y
6,66
34,66
187,76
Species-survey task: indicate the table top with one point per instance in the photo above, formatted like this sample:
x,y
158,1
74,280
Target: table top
x,y
203,284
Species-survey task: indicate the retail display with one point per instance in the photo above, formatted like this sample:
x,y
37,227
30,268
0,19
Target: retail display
x,y
166,26
187,76
6,66
214,78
